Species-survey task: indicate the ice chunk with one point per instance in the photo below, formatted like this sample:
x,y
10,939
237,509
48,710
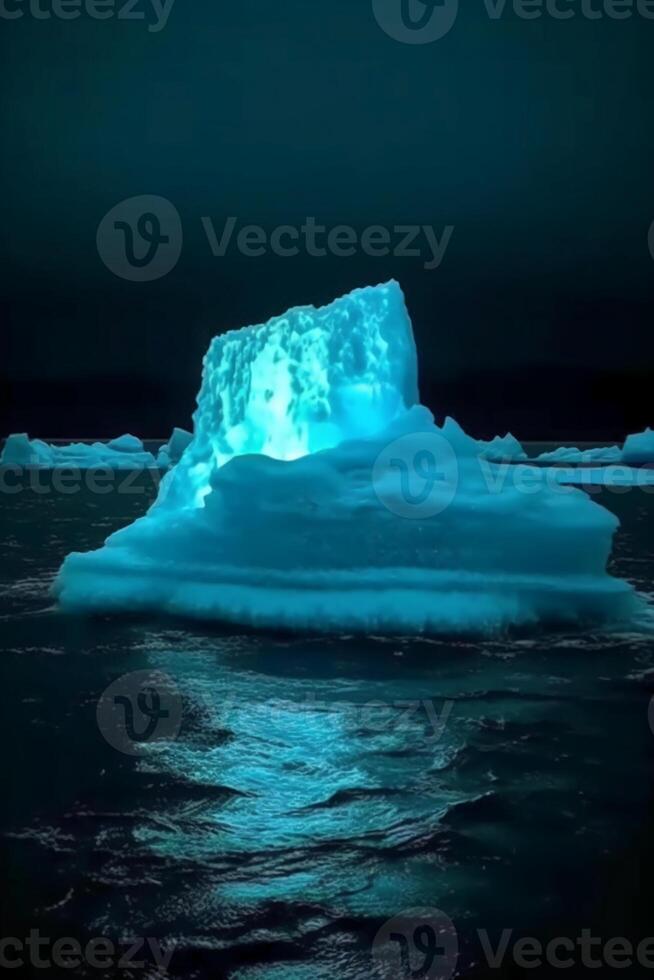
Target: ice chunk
x,y
315,495
570,454
502,448
126,444
125,452
639,448
300,383
20,450
171,453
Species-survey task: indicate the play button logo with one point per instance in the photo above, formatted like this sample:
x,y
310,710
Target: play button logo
x,y
416,21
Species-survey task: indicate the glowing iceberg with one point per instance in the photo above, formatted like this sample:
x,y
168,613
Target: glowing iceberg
x,y
316,494
300,383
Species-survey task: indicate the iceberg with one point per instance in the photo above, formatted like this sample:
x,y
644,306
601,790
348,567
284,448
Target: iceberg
x,y
124,444
125,452
638,449
569,454
171,453
298,384
502,448
317,494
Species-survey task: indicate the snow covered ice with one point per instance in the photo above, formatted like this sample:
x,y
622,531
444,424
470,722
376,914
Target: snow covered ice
x,y
318,494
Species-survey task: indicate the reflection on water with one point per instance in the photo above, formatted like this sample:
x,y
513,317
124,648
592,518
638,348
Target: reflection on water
x,y
317,787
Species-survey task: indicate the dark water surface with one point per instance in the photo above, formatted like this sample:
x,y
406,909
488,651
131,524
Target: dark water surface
x,y
317,787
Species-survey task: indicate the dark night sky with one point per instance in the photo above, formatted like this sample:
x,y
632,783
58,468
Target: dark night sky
x,y
534,139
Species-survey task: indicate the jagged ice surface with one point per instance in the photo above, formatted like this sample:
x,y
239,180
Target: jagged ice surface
x,y
300,383
171,452
317,495
501,448
570,454
125,452
638,450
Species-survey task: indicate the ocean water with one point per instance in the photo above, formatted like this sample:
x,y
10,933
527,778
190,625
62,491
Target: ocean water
x,y
302,791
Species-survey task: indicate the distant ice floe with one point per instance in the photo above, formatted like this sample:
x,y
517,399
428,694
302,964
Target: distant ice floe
x,y
502,448
638,450
569,454
125,452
